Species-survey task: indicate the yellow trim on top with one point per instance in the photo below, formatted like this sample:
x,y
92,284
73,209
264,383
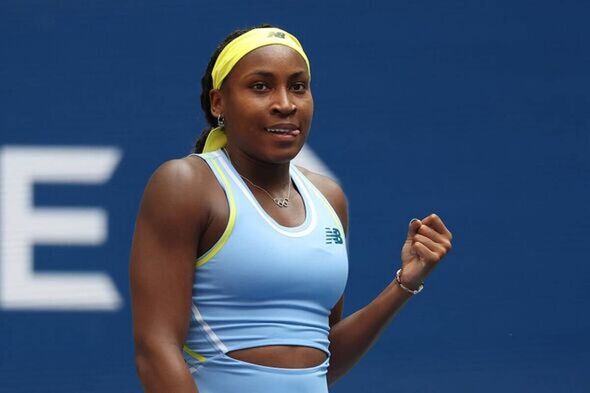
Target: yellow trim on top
x,y
203,259
193,354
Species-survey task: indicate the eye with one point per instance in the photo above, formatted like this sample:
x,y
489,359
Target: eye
x,y
299,87
259,86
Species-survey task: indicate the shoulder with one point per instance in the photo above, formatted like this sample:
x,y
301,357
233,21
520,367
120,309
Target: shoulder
x,y
327,186
332,191
175,178
178,189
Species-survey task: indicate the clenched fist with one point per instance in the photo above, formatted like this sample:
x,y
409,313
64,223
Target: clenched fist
x,y
427,243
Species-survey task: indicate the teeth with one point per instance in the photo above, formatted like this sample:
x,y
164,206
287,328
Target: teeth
x,y
278,130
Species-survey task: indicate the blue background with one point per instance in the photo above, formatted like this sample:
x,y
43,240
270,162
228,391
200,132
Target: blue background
x,y
478,111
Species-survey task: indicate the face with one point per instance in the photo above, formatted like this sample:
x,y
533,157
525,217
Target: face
x,y
267,104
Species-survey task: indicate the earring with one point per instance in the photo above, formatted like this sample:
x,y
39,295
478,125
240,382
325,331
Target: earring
x,y
220,122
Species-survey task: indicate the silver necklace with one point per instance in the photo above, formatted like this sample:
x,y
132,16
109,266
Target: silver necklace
x,y
281,202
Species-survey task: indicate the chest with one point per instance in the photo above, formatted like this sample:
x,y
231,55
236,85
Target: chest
x,y
261,262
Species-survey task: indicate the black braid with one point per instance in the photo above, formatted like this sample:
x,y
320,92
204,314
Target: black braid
x,y
207,85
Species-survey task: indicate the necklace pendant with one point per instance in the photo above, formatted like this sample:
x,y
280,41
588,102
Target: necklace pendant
x,y
282,202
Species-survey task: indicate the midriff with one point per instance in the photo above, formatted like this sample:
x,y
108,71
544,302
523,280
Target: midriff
x,y
283,356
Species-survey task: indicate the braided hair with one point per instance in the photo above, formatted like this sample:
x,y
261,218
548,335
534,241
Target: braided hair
x,y
207,85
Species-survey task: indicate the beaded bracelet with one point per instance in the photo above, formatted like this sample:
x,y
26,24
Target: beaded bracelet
x,y
398,278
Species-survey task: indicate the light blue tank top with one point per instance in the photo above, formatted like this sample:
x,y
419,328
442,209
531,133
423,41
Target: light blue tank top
x,y
263,283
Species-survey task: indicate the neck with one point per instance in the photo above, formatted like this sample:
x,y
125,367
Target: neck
x,y
273,177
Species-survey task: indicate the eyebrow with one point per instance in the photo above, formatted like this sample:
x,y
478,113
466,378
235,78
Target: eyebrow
x,y
268,74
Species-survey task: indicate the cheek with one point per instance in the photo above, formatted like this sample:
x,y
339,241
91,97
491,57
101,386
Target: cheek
x,y
305,103
307,108
249,109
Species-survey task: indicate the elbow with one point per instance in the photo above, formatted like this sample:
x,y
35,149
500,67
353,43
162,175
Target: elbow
x,y
151,355
141,367
144,360
161,367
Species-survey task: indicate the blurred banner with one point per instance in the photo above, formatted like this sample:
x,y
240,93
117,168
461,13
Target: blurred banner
x,y
478,112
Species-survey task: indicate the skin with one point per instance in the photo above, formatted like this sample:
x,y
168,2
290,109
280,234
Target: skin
x,y
184,212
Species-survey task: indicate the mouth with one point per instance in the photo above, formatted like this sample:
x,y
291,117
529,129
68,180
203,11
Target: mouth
x,y
286,130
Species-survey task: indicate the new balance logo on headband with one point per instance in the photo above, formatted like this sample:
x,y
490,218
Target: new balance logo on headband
x,y
333,236
277,34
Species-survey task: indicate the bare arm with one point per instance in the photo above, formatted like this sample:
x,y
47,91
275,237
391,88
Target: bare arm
x,y
161,271
353,336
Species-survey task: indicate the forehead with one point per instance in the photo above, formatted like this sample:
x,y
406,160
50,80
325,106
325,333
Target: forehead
x,y
273,58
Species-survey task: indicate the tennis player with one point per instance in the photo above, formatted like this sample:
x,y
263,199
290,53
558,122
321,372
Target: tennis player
x,y
239,258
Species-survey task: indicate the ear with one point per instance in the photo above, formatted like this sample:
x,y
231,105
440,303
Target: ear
x,y
216,100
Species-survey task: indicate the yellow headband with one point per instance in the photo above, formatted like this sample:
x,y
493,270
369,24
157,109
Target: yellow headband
x,y
246,43
232,53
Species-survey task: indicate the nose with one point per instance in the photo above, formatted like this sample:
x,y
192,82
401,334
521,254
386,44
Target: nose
x,y
282,103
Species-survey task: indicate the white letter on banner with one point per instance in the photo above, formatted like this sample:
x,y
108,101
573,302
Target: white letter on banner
x,y
22,226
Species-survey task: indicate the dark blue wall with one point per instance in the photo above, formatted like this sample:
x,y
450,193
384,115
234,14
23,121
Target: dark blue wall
x,y
478,111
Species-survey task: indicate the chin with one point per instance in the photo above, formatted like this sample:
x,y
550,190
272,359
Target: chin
x,y
283,155
281,158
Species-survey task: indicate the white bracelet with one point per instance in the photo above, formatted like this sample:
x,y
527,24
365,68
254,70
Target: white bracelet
x,y
398,278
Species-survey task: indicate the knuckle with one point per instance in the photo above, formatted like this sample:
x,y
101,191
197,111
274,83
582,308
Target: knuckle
x,y
425,229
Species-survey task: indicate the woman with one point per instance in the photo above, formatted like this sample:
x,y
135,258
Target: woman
x,y
260,309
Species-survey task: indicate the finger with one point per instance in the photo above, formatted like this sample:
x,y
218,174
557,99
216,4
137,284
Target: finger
x,y
424,253
436,223
430,233
413,227
434,247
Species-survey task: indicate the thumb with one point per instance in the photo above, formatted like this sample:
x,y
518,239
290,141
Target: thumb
x,y
413,228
